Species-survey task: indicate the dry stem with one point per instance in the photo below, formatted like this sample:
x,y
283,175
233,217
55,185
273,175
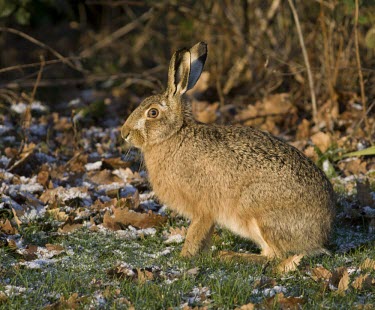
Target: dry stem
x,y
360,74
307,63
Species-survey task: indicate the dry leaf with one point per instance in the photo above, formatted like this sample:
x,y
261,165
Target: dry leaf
x,y
340,279
284,303
289,264
27,151
365,282
57,215
204,111
144,275
55,247
368,264
249,306
73,302
115,163
322,140
103,177
193,271
43,178
7,228
353,166
320,273
16,219
124,217
344,283
303,130
69,226
3,297
311,153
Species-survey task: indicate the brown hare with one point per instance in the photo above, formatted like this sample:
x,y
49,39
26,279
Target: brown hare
x,y
240,178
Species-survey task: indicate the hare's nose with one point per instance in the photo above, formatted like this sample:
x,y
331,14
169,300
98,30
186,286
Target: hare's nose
x,y
124,132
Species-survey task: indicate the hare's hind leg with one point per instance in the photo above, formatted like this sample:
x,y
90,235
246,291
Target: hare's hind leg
x,y
198,236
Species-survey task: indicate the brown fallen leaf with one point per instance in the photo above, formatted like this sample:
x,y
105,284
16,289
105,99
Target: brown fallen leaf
x,y
115,163
25,154
16,219
7,228
3,297
265,282
55,247
204,111
340,279
320,273
303,130
284,303
103,177
69,226
365,282
73,302
249,306
140,275
322,140
344,283
57,215
124,217
289,264
43,178
353,166
144,275
368,264
193,271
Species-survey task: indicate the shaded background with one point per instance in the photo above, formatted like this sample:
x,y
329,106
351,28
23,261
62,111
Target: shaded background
x,y
116,52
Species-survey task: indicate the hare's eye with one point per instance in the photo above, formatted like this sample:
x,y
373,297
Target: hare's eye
x,y
152,113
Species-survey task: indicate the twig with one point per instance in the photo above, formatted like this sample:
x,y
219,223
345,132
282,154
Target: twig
x,y
41,44
117,34
35,64
307,63
38,78
360,74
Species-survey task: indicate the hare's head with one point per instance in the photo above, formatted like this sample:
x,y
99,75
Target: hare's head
x,y
159,117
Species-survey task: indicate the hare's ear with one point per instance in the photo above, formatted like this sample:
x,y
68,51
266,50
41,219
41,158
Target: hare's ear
x,y
185,69
178,74
198,55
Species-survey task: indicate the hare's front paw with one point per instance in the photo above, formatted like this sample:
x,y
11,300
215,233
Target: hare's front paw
x,y
188,251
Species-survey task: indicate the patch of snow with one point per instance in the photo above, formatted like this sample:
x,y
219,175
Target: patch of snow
x,y
167,251
38,106
38,263
270,292
12,290
199,293
19,108
175,239
109,187
75,102
93,166
33,214
4,161
162,210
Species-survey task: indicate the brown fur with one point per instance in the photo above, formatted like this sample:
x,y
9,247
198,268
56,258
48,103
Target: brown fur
x,y
241,178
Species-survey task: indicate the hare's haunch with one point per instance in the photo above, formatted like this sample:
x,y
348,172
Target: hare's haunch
x,y
241,178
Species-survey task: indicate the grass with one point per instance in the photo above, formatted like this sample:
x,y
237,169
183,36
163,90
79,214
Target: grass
x,y
84,270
